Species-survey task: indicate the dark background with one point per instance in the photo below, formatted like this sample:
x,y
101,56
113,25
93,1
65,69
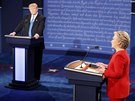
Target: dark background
x,y
27,2
12,13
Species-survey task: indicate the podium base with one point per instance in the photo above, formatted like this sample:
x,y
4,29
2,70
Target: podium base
x,y
23,85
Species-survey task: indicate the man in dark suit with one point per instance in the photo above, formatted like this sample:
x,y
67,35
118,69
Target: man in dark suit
x,y
33,25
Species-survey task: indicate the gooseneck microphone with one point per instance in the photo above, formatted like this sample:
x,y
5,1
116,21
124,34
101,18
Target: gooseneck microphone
x,y
91,48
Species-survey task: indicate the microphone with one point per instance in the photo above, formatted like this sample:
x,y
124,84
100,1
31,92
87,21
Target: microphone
x,y
96,47
83,65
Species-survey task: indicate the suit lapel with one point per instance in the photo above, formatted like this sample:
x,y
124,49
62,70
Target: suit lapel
x,y
28,21
36,20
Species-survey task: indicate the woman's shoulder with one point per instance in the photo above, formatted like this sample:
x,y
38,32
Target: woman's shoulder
x,y
121,54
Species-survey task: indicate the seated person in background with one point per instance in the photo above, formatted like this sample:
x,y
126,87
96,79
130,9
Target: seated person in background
x,y
33,25
117,71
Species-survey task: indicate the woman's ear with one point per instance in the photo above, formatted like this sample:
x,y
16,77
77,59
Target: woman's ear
x,y
119,43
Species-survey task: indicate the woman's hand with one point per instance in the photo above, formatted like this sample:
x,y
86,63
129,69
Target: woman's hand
x,y
102,65
101,70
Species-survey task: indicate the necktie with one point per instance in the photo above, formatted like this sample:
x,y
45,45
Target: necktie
x,y
30,27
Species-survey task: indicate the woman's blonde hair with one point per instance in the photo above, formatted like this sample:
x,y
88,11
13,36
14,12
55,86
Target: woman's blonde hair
x,y
123,39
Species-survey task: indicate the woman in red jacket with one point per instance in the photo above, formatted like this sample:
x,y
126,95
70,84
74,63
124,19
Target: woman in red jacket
x,y
117,71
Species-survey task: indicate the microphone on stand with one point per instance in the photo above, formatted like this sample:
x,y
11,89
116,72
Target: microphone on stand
x,y
91,64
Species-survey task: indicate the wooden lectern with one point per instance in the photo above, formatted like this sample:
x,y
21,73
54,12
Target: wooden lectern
x,y
23,49
87,82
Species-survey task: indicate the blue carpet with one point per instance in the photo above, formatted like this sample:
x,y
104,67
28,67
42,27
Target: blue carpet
x,y
54,86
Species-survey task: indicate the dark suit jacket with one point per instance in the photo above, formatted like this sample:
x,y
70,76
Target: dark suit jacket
x,y
38,26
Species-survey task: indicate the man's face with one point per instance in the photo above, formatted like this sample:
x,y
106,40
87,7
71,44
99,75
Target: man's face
x,y
33,10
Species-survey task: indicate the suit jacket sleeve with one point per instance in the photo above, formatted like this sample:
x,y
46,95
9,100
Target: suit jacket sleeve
x,y
20,26
41,26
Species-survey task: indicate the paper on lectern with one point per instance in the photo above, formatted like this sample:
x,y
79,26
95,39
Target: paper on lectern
x,y
81,66
85,67
91,70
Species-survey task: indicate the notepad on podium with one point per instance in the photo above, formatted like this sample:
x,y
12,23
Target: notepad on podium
x,y
83,67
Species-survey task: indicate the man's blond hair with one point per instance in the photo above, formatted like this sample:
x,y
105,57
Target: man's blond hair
x,y
33,5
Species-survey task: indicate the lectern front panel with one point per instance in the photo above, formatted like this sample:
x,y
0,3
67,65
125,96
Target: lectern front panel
x,y
20,64
24,51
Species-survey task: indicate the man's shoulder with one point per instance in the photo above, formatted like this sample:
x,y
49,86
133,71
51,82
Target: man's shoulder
x,y
27,16
42,16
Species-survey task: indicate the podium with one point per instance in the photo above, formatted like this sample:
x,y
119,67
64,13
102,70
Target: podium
x,y
87,82
23,51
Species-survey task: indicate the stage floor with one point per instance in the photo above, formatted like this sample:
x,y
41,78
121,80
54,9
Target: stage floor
x,y
54,85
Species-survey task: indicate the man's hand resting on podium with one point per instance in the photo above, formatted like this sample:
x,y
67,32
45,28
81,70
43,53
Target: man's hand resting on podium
x,y
36,36
12,34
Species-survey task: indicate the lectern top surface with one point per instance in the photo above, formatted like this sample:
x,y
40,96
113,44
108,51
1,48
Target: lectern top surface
x,y
25,37
80,66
